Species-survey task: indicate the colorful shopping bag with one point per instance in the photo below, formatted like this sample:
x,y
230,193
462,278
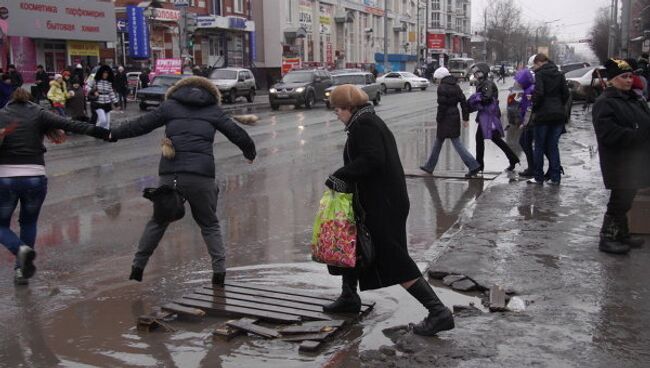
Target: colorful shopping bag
x,y
335,235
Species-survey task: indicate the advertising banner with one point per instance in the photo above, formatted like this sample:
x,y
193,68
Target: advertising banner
x,y
138,32
88,20
83,48
168,66
305,17
325,18
289,63
436,40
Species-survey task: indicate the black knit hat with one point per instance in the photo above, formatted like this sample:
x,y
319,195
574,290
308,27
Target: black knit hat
x,y
616,67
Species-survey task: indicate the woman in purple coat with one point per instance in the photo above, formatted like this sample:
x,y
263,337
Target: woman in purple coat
x,y
526,81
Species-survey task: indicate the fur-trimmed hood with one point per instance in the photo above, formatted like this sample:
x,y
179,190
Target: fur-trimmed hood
x,y
193,83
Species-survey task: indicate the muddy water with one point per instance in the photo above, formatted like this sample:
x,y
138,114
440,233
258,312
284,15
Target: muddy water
x,y
80,310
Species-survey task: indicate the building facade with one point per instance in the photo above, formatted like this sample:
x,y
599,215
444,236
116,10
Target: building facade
x,y
449,28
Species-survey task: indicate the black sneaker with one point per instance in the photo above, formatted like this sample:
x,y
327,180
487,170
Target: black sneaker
x,y
219,279
26,256
528,173
19,279
136,274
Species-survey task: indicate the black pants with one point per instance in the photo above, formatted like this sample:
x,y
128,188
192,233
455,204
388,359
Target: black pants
x,y
620,202
122,95
480,147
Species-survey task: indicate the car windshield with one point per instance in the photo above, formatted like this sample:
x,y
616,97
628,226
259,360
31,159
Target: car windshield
x,y
223,74
297,77
349,79
457,64
578,73
165,81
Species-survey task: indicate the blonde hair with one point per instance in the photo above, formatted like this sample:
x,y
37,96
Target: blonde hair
x,y
348,96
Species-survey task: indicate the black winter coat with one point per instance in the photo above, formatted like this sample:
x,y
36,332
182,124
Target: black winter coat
x,y
448,117
622,124
371,161
120,83
191,116
550,96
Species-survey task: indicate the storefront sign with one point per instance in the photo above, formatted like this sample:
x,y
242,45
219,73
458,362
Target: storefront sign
x,y
168,66
83,48
236,23
166,14
305,14
289,63
436,40
329,58
61,19
138,33
376,11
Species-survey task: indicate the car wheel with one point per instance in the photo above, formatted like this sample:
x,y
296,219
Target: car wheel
x,y
377,99
275,107
309,101
251,95
384,90
407,87
233,96
143,106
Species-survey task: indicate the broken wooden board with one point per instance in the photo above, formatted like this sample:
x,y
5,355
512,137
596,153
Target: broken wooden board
x,y
497,299
253,328
417,173
315,337
258,299
149,322
312,327
227,310
183,310
310,346
307,315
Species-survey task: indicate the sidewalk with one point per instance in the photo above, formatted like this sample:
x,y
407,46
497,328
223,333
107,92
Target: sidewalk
x,y
585,308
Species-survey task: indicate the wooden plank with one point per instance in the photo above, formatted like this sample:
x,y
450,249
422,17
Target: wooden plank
x,y
183,310
309,346
253,328
260,299
312,327
315,337
226,310
497,299
283,290
261,306
416,173
228,333
281,296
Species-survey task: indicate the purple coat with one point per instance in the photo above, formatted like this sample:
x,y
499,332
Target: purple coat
x,y
526,80
489,116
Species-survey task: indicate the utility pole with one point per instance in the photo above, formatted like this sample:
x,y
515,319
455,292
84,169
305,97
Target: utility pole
x,y
611,45
418,34
385,36
485,34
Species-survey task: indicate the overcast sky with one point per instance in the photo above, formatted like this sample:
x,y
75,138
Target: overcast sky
x,y
575,16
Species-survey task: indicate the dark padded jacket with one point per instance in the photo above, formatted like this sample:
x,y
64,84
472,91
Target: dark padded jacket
x,y
448,117
25,146
191,116
550,96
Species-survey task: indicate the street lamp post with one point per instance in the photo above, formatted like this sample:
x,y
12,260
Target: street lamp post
x,y
385,36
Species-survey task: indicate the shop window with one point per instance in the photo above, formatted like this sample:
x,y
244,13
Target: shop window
x,y
239,6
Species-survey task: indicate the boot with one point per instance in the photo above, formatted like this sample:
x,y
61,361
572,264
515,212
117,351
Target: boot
x,y
218,279
19,279
26,256
349,301
472,173
625,237
609,235
136,274
439,318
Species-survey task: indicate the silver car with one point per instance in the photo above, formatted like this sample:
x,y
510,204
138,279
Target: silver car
x,y
402,81
233,83
364,80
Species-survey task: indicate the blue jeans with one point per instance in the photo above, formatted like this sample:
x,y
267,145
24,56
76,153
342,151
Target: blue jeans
x,y
467,157
546,142
30,191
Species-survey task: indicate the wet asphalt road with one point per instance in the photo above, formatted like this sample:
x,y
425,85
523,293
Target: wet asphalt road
x,y
80,309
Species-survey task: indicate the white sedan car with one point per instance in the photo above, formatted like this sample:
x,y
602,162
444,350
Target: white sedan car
x,y
402,80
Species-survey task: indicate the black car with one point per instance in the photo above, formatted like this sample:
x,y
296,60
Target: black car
x,y
155,93
301,87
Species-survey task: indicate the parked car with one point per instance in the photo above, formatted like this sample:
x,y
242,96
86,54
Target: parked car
x,y
300,87
155,93
402,80
233,83
366,81
586,83
460,67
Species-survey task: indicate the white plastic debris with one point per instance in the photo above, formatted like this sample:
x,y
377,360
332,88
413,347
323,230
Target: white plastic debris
x,y
516,304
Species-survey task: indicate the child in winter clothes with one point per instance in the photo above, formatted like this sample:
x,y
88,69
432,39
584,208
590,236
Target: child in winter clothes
x,y
58,94
76,103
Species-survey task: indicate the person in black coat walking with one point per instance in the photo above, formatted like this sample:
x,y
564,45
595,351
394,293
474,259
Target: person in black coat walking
x,y
121,86
373,166
622,123
191,116
42,83
16,77
549,115
448,118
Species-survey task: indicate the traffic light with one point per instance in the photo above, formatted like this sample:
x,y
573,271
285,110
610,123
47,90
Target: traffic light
x,y
190,40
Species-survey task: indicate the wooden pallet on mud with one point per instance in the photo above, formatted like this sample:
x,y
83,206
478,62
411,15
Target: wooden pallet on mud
x,y
267,311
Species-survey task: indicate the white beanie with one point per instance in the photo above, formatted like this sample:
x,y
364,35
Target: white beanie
x,y
57,76
79,66
441,73
531,61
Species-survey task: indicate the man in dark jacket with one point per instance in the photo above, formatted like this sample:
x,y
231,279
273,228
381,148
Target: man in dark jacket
x,y
549,116
622,124
191,116
121,86
42,83
144,78
16,77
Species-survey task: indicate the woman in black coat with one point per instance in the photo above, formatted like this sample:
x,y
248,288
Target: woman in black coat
x,y
372,164
448,119
622,124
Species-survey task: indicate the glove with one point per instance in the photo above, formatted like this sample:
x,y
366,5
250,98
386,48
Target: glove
x,y
99,133
338,185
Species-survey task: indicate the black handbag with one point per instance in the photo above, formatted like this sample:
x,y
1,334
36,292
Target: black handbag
x,y
365,248
168,203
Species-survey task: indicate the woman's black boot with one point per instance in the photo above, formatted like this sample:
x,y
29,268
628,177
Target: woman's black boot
x,y
439,318
349,301
624,234
609,237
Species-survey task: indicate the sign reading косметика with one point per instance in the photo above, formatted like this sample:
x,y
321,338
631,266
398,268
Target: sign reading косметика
x,y
87,20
